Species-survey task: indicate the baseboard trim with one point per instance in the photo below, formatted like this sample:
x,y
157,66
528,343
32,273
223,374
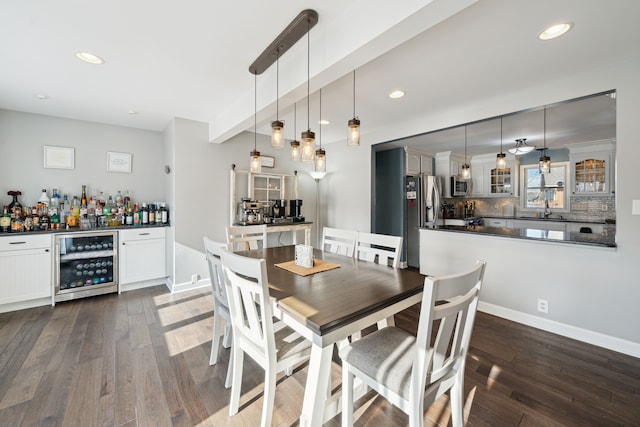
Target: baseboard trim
x,y
596,338
187,286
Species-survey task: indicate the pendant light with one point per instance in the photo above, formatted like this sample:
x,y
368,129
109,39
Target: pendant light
x,y
545,161
308,137
277,126
466,169
321,158
501,158
255,165
353,137
295,144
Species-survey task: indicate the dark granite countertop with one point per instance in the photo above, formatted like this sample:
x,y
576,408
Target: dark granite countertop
x,y
600,240
533,218
78,230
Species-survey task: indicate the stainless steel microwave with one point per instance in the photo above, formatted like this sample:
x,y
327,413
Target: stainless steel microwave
x,y
460,187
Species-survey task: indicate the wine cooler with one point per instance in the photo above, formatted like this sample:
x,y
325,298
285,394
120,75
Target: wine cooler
x,y
86,264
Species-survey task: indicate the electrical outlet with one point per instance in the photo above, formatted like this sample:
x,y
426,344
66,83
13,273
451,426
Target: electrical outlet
x,y
543,306
605,208
195,278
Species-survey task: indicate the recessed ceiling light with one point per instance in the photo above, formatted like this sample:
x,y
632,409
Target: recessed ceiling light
x,y
89,57
133,112
41,96
555,30
396,94
324,122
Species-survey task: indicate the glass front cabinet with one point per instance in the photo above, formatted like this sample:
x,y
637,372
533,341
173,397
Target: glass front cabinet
x,y
592,168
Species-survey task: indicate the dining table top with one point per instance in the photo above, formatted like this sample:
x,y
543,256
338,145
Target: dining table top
x,y
327,300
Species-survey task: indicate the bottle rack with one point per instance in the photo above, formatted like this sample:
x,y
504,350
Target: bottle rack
x,y
86,264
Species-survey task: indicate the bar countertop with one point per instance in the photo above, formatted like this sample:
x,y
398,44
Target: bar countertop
x,y
600,240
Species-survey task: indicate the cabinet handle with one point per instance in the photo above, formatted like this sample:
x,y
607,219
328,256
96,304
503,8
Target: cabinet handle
x,y
46,250
122,243
17,243
143,234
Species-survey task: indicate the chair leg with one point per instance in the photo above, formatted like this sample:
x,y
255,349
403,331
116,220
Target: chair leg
x,y
457,401
229,379
236,383
215,339
269,396
226,339
347,396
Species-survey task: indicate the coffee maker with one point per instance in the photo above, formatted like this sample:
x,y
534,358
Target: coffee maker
x,y
294,210
279,208
250,212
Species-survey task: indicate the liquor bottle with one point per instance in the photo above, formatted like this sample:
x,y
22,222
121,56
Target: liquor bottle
x,y
99,208
127,200
5,220
137,216
165,214
64,210
84,210
152,214
28,220
129,217
54,203
119,199
44,197
15,207
35,219
75,207
158,213
145,214
17,225
43,213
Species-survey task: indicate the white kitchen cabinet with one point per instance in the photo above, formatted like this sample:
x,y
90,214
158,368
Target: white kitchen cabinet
x,y
141,256
26,266
412,161
540,225
592,168
426,164
489,181
448,164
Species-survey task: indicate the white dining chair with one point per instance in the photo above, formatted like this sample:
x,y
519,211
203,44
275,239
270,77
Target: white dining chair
x,y
242,238
379,248
339,241
221,314
275,347
411,372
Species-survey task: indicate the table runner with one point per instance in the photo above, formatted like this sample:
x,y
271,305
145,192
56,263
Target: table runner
x,y
318,266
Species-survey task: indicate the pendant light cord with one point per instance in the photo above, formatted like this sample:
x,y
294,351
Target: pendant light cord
x,y
277,84
320,123
354,93
308,73
500,135
255,118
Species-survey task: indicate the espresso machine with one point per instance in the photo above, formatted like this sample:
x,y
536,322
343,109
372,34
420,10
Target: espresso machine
x,y
295,206
250,212
279,210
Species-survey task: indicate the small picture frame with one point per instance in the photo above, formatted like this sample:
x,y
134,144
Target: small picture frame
x,y
118,162
59,157
267,161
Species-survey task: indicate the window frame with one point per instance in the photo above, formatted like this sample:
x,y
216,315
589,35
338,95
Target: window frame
x,y
567,187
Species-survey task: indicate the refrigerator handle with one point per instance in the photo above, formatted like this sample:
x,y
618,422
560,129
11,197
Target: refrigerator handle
x,y
436,202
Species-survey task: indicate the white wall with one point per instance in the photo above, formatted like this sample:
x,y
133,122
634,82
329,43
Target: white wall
x,y
23,136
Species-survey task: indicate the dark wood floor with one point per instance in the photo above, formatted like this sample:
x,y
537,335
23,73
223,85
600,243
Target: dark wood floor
x,y
141,358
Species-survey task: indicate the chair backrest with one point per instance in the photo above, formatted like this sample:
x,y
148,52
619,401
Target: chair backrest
x,y
454,315
339,241
379,248
242,238
249,304
213,252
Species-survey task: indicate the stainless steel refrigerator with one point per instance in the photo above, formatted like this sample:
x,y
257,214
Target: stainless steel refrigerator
x,y
422,208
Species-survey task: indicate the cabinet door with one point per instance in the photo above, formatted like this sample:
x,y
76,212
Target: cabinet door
x,y
141,260
412,163
426,165
591,174
478,180
26,274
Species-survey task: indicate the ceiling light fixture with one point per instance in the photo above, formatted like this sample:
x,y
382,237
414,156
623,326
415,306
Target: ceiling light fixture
x,y
545,161
466,168
89,58
308,137
521,147
555,31
501,158
277,135
353,137
321,157
396,94
255,164
295,144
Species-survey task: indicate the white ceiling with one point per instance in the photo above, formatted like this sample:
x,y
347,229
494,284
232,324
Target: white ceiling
x,y
190,59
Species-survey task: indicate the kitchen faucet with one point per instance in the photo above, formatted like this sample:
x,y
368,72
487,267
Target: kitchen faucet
x,y
547,212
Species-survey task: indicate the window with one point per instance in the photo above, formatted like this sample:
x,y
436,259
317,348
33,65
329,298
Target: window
x,y
548,190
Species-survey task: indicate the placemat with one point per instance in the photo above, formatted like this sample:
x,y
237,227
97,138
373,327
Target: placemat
x,y
318,266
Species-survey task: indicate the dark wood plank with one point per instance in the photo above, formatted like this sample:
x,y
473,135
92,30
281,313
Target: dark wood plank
x,y
141,358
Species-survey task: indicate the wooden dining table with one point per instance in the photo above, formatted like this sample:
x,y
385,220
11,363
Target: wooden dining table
x,y
329,306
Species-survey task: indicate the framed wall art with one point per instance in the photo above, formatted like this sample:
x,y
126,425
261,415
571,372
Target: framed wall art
x,y
59,157
118,162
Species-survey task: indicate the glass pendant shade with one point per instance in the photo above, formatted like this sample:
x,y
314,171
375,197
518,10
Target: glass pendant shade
x,y
521,147
277,136
501,160
466,171
320,161
295,151
255,166
308,146
545,164
353,137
